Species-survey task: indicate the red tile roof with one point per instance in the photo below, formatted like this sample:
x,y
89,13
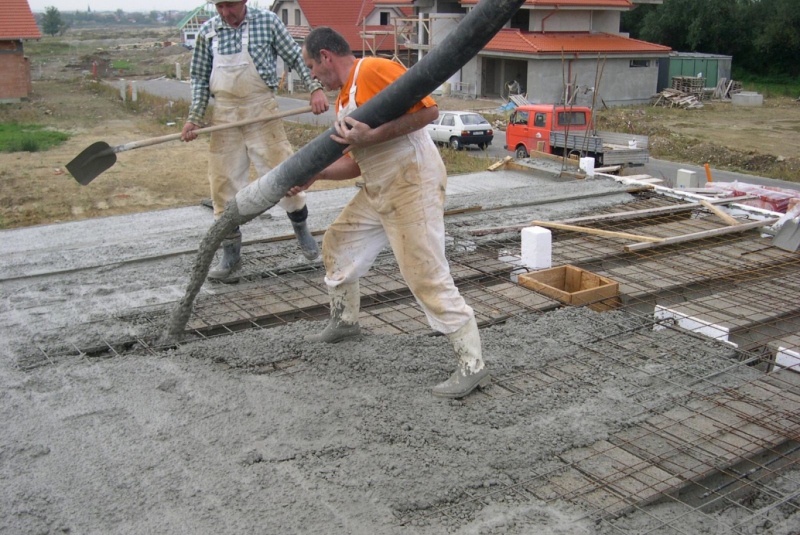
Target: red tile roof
x,y
571,4
346,17
298,32
16,21
516,41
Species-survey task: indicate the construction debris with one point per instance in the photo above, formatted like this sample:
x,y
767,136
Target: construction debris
x,y
674,97
726,89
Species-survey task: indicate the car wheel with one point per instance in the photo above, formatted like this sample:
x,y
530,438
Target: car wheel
x,y
483,146
521,152
455,143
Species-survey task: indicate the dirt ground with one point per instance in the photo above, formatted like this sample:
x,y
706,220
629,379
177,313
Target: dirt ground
x,y
35,188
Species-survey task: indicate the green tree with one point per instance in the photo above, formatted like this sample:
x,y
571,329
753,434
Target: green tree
x,y
776,45
51,21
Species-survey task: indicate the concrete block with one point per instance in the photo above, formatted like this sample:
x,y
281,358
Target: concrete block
x,y
747,98
687,179
537,248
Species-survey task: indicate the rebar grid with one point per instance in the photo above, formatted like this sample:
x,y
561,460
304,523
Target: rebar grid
x,y
718,441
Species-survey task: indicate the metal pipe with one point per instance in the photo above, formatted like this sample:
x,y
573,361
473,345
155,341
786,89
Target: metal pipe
x,y
470,36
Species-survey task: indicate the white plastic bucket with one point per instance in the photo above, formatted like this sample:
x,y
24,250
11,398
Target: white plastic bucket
x,y
632,144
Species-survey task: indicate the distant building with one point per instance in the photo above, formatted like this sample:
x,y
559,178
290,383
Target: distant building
x,y
16,24
191,23
370,27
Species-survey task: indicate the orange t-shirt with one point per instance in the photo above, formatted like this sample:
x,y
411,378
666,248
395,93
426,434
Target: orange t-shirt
x,y
373,76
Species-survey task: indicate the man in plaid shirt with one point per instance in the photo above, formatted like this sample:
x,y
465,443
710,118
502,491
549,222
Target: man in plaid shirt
x,y
235,60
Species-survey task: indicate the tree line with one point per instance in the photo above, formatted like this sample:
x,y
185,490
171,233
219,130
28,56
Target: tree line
x,y
762,36
54,22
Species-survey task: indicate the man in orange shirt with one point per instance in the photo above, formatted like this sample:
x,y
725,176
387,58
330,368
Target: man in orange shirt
x,y
401,205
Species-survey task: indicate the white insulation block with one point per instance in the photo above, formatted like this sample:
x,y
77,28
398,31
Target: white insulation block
x,y
537,248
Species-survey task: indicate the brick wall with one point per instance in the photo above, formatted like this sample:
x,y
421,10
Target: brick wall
x,y
15,83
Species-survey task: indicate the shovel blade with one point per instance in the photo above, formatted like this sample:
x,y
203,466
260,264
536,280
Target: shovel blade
x,y
788,237
88,165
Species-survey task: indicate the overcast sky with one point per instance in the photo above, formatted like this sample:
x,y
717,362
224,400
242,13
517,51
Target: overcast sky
x,y
113,5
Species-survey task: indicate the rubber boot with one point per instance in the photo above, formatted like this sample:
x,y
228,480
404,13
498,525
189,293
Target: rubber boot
x,y
471,372
345,304
231,257
307,242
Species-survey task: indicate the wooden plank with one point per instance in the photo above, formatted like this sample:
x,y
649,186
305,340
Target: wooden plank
x,y
700,235
720,213
650,212
597,232
496,165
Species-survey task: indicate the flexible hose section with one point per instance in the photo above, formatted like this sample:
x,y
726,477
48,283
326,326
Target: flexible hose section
x,y
469,37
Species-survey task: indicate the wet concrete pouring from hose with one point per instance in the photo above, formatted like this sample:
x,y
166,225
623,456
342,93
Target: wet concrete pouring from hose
x,y
226,224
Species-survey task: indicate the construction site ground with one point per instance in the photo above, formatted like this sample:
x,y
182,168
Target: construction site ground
x,y
669,407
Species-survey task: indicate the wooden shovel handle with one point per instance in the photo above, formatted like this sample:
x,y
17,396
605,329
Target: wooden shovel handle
x,y
208,130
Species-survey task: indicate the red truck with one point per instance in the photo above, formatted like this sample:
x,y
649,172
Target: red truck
x,y
556,129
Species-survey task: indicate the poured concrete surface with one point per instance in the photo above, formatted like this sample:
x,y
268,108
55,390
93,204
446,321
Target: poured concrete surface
x,y
259,432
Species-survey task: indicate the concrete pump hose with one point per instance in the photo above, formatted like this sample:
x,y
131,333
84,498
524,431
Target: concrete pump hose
x,y
465,41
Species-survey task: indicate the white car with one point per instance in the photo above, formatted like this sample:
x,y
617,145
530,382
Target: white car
x,y
461,128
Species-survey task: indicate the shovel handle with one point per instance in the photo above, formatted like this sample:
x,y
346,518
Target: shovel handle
x,y
208,130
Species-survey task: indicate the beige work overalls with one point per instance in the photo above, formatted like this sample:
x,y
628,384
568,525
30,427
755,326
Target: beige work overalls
x,y
402,205
240,94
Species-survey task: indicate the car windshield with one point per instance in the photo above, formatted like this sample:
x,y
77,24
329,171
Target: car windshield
x,y
473,118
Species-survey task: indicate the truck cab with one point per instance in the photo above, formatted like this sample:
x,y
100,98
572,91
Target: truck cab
x,y
529,127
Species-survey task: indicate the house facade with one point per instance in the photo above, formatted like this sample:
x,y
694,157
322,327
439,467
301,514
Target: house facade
x,y
369,28
16,24
191,23
551,51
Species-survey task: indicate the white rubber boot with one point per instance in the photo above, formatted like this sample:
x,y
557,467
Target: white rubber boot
x,y
471,372
345,305
231,257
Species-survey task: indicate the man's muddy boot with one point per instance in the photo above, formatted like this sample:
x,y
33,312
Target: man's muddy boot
x,y
471,372
231,257
307,242
345,304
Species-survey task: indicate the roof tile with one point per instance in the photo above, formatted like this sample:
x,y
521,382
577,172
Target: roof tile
x,y
16,21
605,4
516,41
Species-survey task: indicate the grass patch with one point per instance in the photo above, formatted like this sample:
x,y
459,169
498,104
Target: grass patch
x,y
459,162
122,64
769,86
15,137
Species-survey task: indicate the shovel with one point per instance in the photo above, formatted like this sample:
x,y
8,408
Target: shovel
x,y
99,156
788,236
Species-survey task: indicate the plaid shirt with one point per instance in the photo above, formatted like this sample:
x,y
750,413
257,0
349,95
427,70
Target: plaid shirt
x,y
268,39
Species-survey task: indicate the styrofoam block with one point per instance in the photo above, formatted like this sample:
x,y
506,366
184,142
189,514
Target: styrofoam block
x,y
537,248
788,358
587,164
690,323
687,179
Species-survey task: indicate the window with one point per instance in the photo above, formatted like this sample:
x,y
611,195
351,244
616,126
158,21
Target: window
x,y
448,120
384,18
572,117
285,16
520,117
298,20
190,36
473,118
636,63
540,120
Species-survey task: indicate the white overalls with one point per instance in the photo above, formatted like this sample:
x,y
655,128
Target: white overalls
x,y
240,94
402,205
